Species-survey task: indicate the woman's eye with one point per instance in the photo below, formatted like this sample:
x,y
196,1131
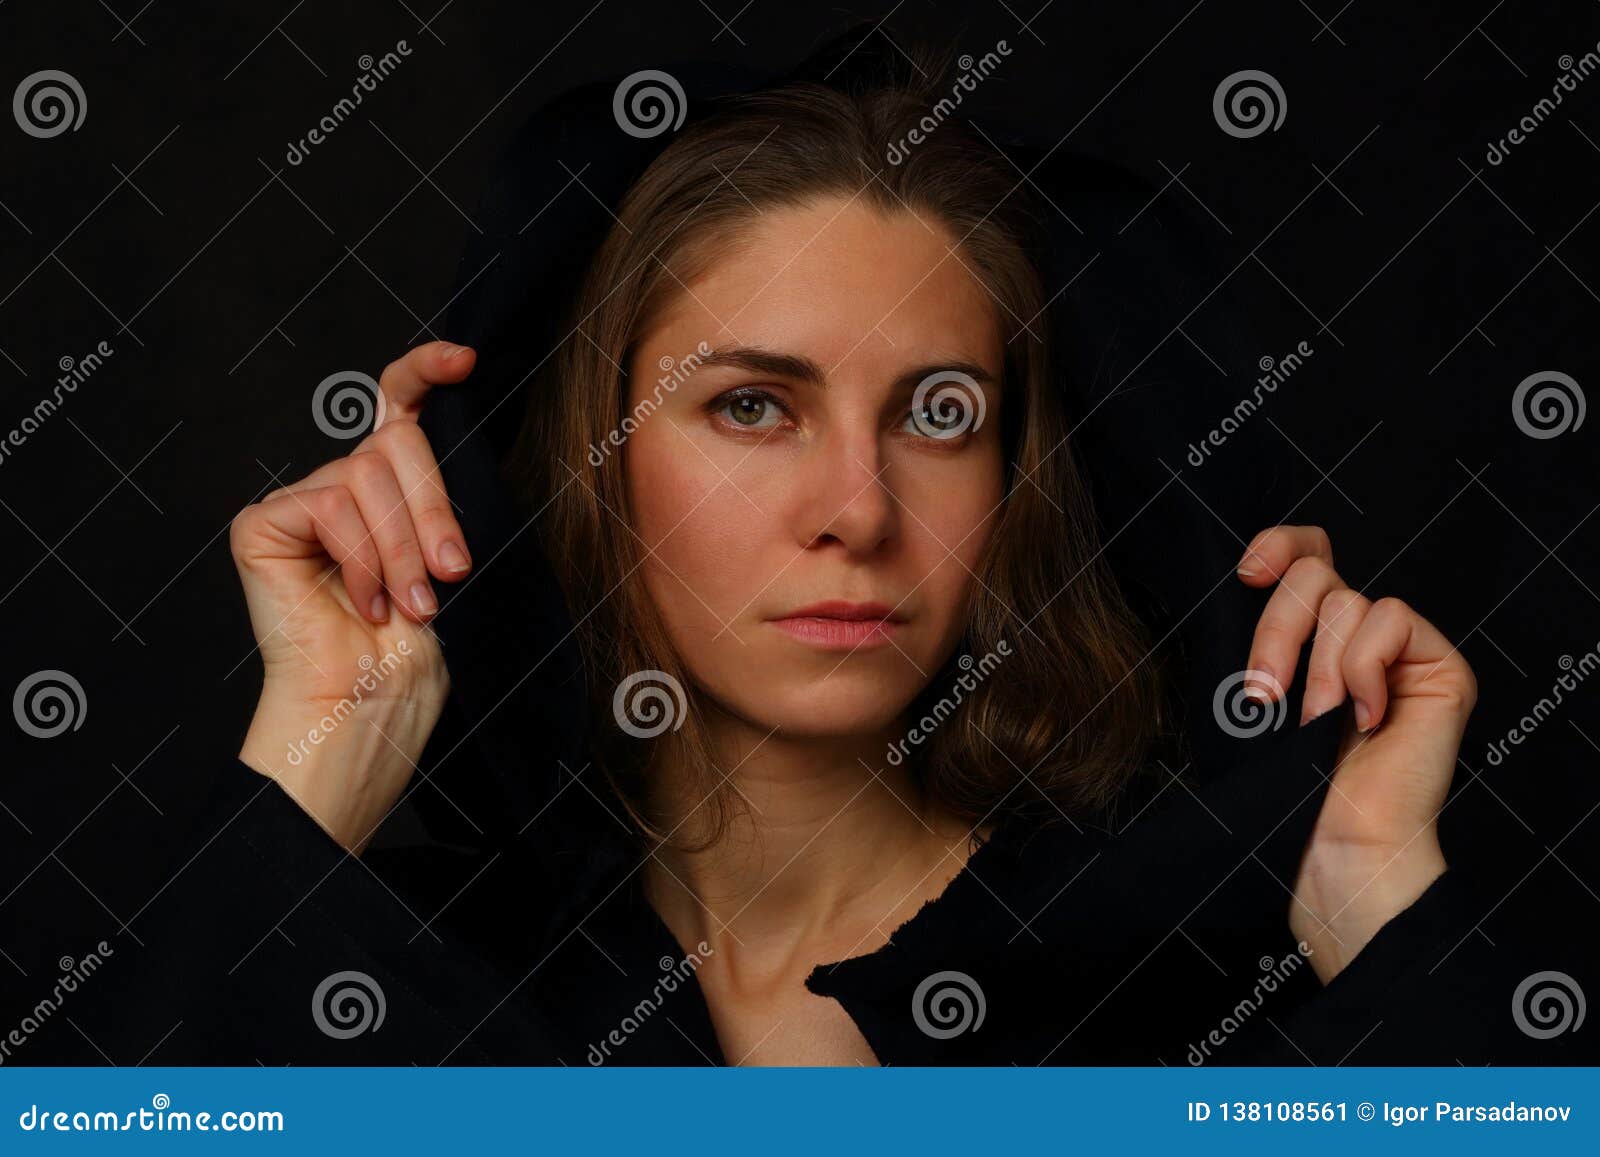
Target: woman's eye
x,y
933,420
751,411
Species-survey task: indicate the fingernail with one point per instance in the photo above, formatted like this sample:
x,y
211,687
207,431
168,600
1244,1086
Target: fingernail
x,y
449,351
1307,717
422,599
379,607
453,557
1246,573
1363,716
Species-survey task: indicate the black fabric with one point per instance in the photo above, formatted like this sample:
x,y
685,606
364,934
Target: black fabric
x,y
1090,945
521,936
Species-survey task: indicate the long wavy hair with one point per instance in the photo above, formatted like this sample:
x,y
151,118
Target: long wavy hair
x,y
1073,711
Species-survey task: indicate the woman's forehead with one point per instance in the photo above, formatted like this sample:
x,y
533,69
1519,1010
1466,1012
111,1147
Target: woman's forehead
x,y
832,279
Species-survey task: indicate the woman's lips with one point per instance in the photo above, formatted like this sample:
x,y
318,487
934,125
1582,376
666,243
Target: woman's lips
x,y
844,634
840,625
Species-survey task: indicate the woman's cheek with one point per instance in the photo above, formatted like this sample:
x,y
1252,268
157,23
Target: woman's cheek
x,y
953,535
697,528
664,483
957,502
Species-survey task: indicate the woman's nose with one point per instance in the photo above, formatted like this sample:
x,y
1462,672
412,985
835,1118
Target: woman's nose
x,y
846,496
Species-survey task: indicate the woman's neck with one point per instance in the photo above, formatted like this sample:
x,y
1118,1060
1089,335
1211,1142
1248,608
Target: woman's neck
x,y
826,845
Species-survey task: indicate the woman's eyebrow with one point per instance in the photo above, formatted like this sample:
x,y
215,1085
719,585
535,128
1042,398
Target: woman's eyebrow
x,y
798,367
757,360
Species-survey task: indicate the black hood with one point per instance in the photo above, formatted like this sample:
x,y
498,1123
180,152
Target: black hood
x,y
1124,268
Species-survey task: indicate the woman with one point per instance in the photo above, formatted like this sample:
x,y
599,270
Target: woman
x,y
860,681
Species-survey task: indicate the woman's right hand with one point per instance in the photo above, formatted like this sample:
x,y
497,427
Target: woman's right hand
x,y
335,570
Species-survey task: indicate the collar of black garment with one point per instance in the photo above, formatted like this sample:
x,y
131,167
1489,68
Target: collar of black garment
x,y
1076,942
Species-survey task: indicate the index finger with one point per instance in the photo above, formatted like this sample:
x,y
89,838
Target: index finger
x,y
406,381
1272,552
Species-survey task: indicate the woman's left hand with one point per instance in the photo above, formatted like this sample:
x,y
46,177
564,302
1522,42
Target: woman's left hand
x,y
1375,847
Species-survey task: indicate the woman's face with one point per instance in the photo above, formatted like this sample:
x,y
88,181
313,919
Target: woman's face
x,y
811,539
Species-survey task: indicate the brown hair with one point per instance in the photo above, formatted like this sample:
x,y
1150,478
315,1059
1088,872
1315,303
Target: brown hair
x,y
1073,710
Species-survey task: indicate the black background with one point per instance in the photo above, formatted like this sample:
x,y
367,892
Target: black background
x,y
229,283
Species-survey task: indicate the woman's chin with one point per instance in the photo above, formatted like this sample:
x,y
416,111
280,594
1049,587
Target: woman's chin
x,y
845,709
